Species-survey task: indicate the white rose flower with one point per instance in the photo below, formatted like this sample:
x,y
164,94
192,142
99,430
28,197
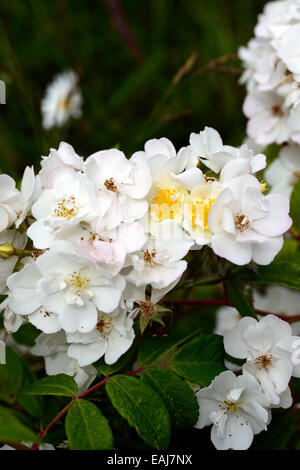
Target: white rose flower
x,y
247,225
72,199
62,100
237,409
63,289
266,345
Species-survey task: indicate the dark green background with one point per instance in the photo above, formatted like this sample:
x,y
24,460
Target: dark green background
x,y
122,88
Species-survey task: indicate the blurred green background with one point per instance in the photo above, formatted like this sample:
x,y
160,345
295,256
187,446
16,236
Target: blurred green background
x,y
127,53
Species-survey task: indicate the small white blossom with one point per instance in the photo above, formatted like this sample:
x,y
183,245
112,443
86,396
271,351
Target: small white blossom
x,y
246,224
237,409
266,345
62,100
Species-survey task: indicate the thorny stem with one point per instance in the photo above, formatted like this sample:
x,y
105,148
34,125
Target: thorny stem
x,y
43,433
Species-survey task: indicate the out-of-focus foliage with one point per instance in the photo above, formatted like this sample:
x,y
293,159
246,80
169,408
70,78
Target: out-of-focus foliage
x,y
127,86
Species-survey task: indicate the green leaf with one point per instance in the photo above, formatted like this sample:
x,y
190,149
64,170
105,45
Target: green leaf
x,y
11,376
239,300
200,360
26,335
154,348
12,430
143,408
60,384
295,206
87,428
179,398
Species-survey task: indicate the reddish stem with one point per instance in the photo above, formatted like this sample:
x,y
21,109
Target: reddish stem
x,y
43,433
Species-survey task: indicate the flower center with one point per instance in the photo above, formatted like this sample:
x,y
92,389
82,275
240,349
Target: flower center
x,y
241,222
230,406
166,204
78,282
110,185
66,208
200,210
104,325
149,257
264,361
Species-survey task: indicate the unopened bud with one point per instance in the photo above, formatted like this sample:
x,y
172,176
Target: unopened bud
x,y
7,250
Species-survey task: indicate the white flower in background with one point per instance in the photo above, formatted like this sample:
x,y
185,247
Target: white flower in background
x,y
72,199
284,171
160,262
272,75
54,349
277,17
268,118
63,159
280,300
263,71
63,289
111,338
209,147
8,198
125,183
246,224
226,319
267,346
7,265
237,409
62,100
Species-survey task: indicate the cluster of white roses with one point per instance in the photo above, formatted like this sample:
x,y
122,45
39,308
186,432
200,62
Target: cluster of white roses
x,y
272,75
82,240
238,407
